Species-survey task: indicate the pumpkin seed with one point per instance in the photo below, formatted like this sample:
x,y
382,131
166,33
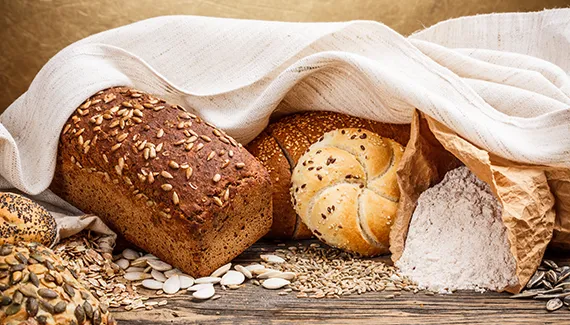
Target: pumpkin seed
x,y
208,279
47,293
42,319
15,277
18,267
275,283
204,293
17,298
46,306
172,285
69,290
6,250
79,314
96,318
232,278
20,257
34,279
60,307
186,281
221,270
88,309
152,284
13,309
5,300
32,307
29,290
243,270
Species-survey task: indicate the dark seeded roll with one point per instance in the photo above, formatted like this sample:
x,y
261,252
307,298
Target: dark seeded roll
x,y
283,142
163,178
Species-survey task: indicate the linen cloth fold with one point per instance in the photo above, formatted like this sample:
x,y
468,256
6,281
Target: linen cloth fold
x,y
501,81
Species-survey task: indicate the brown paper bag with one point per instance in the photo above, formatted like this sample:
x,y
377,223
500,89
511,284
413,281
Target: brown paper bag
x,y
529,194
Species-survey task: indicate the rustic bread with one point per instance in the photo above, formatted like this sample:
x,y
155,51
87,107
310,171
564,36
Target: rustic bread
x,y
345,190
283,142
21,219
41,290
164,179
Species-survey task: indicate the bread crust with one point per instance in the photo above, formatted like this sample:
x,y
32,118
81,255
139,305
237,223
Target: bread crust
x,y
292,136
166,180
345,189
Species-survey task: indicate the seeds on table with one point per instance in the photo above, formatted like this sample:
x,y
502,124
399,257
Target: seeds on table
x,y
221,270
232,278
172,285
275,283
204,293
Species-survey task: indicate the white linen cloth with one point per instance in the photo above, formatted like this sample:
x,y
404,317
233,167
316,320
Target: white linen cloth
x,y
500,80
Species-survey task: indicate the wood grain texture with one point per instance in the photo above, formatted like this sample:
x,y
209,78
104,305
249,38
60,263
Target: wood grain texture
x,y
255,305
32,31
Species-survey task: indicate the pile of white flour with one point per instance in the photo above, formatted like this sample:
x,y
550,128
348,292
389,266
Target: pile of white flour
x,y
456,239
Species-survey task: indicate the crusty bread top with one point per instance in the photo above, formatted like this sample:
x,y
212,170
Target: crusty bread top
x,y
172,159
345,189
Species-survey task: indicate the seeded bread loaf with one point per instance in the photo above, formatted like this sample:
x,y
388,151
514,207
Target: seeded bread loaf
x,y
21,219
345,190
37,289
282,143
163,178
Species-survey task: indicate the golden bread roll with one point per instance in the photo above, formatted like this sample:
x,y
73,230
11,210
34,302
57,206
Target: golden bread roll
x,y
283,142
21,219
38,289
345,190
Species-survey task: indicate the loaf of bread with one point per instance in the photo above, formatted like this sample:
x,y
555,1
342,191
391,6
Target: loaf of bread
x,y
345,190
21,219
169,182
38,289
282,143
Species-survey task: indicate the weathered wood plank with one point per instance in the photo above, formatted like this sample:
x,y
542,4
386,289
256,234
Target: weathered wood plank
x,y
254,305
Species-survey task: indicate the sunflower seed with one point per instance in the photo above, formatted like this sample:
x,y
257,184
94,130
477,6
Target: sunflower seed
x,y
232,278
554,304
535,279
172,285
551,276
221,270
275,283
204,293
550,264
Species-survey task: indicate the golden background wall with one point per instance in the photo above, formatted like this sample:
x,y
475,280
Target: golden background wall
x,y
32,31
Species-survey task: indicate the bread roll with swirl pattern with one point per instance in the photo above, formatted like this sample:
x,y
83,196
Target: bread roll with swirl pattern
x,y
345,190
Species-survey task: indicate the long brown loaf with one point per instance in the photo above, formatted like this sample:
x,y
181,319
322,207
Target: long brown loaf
x,y
281,145
166,180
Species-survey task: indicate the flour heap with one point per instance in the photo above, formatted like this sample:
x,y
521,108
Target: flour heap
x,y
457,239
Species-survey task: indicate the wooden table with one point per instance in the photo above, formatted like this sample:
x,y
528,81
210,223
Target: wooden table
x,y
255,305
